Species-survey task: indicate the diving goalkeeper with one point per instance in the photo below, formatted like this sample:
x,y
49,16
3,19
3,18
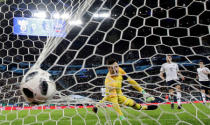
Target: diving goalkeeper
x,y
113,84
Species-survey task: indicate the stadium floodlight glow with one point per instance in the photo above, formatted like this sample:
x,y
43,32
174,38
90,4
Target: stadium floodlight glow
x,y
96,15
65,16
40,14
56,15
105,15
75,22
101,15
60,16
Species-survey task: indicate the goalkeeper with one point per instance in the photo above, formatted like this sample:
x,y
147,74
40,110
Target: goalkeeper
x,y
113,84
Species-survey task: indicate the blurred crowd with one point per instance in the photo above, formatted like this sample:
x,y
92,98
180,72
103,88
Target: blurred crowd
x,y
11,94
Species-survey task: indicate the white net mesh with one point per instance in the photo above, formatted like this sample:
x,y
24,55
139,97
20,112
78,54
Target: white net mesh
x,y
138,33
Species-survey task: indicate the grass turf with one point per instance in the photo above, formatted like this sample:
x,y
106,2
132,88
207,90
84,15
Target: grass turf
x,y
196,114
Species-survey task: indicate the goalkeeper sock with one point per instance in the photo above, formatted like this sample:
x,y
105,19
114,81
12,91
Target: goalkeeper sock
x,y
203,97
137,106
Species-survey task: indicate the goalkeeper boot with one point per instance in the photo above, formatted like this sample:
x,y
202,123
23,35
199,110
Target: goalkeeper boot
x,y
149,107
152,107
95,109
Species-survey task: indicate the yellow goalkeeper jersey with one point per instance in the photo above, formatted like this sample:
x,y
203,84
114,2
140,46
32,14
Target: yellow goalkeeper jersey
x,y
113,84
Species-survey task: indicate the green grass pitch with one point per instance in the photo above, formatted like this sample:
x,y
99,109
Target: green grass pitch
x,y
195,114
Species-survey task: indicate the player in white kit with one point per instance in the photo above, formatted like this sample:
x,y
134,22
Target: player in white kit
x,y
171,70
204,80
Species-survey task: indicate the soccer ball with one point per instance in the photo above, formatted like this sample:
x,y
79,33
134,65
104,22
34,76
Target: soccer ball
x,y
37,86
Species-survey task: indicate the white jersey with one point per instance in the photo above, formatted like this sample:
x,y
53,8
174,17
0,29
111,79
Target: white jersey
x,y
201,75
171,70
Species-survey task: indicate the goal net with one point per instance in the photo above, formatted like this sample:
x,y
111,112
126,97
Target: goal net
x,y
72,40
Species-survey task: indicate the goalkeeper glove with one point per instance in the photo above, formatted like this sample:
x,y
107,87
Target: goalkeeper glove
x,y
147,96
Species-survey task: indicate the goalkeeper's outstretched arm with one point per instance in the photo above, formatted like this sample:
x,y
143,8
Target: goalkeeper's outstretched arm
x,y
133,83
136,85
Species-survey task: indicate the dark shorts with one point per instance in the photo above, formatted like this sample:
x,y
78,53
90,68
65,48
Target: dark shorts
x,y
205,85
172,83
